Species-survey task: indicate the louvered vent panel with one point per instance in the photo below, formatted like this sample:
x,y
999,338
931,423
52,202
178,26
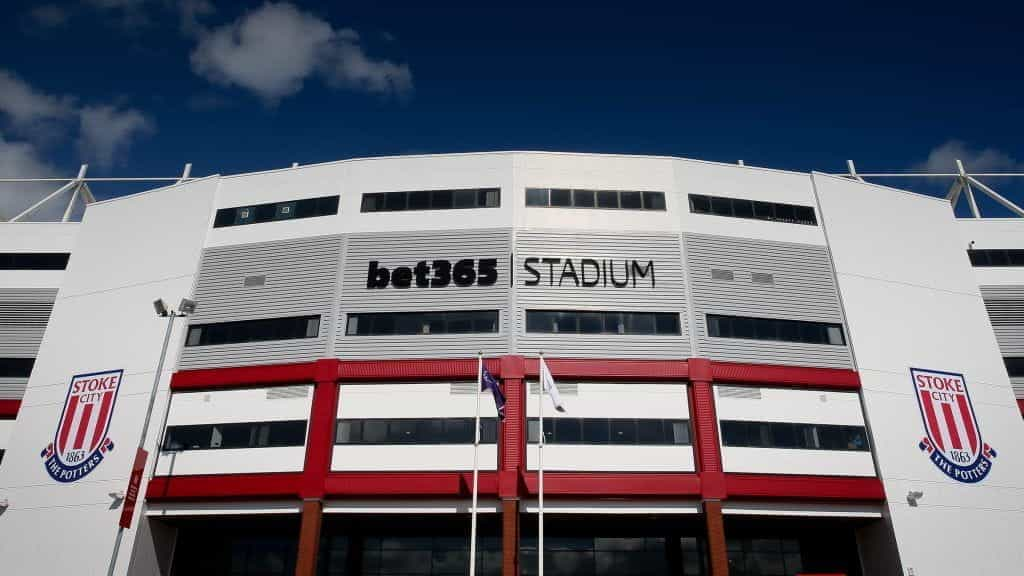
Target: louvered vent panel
x,y
746,392
24,314
803,288
287,392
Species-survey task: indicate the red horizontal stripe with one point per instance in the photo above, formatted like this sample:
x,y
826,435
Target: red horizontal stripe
x,y
409,484
224,487
804,487
614,484
278,374
403,369
598,369
9,408
831,378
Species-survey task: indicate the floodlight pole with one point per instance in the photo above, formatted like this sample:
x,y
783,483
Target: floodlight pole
x,y
170,315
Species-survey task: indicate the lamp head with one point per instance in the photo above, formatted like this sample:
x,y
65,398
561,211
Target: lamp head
x,y
187,306
160,307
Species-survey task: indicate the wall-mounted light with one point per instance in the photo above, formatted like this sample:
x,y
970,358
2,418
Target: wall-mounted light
x,y
913,496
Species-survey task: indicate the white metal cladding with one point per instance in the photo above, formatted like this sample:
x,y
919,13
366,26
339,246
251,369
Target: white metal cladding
x,y
301,278
23,317
667,295
803,288
391,250
1005,305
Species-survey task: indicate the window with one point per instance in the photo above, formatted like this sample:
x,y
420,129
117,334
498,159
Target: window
x,y
764,556
431,200
415,431
633,431
996,257
34,260
253,331
794,436
16,367
235,435
752,209
287,210
1014,365
408,323
774,329
584,198
579,322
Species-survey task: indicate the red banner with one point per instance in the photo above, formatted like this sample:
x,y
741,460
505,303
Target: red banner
x,y
134,482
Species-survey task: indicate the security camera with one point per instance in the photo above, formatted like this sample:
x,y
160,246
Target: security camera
x,y
187,306
160,307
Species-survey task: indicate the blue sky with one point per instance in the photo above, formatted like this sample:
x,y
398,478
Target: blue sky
x,y
139,87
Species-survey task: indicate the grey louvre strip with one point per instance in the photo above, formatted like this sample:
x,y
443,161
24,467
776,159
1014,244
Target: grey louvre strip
x,y
1005,306
300,279
802,288
667,295
24,314
1018,386
396,250
12,388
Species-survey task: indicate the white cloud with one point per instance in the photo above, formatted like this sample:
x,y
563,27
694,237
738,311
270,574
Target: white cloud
x,y
274,49
943,159
105,131
21,160
26,107
49,15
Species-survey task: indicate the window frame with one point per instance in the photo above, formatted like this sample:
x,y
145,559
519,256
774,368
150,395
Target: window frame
x,y
730,207
300,208
356,321
626,323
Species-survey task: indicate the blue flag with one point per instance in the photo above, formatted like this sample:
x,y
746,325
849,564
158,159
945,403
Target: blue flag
x,y
488,382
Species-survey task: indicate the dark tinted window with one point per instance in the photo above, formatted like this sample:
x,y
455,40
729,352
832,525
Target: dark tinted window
x,y
34,260
1014,365
593,322
409,323
636,431
253,331
431,199
235,435
996,257
587,198
287,210
415,431
16,367
774,329
743,208
793,435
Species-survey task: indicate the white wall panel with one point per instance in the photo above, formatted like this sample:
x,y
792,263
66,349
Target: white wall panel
x,y
243,405
231,461
792,461
419,458
606,458
411,400
763,404
6,428
616,400
912,300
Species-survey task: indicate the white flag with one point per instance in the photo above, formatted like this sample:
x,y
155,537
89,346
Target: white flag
x,y
547,385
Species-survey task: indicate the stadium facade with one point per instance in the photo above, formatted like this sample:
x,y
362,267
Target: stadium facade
x,y
765,373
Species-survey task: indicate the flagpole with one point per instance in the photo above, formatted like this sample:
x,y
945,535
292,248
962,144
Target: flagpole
x,y
540,466
476,467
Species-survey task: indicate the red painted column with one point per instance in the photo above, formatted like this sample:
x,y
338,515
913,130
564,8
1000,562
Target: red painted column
x,y
319,446
512,459
709,460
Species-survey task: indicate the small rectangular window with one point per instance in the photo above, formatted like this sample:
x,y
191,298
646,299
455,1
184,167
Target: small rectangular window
x,y
465,199
793,436
372,203
420,323
654,200
253,331
34,260
536,196
631,200
419,200
607,199
611,431
583,198
286,210
996,257
16,367
236,435
775,329
1014,366
394,201
561,197
593,322
442,199
752,209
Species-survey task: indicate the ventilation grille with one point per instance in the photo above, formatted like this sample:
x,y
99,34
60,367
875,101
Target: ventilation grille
x,y
718,274
462,388
762,278
564,388
251,281
745,392
286,392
